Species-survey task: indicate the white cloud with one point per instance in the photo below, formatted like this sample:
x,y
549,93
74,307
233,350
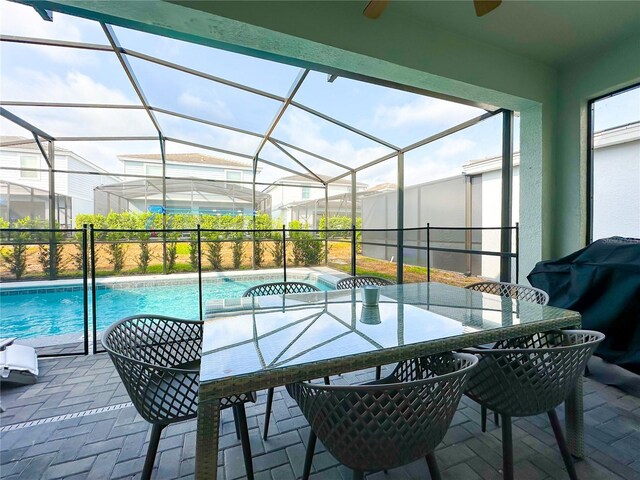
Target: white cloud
x,y
421,111
24,21
26,84
306,132
213,107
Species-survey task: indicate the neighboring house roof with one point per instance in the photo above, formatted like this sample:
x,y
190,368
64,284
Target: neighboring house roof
x,y
382,187
194,158
301,179
12,142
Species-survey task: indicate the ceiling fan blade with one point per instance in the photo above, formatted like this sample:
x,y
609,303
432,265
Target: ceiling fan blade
x,y
485,6
375,8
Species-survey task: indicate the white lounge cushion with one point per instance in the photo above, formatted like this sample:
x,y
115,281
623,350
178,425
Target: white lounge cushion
x,y
18,358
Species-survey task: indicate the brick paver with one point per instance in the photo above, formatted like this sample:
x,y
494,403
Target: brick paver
x,y
113,444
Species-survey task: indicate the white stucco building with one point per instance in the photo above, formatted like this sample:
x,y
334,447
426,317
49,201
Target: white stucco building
x,y
473,198
195,184
299,198
616,190
24,191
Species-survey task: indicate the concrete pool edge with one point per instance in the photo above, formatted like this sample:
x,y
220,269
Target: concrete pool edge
x,y
326,275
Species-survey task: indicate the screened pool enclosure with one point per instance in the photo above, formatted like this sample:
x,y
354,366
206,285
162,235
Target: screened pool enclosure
x,y
297,145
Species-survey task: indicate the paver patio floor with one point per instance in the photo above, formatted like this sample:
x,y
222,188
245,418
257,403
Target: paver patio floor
x,y
88,429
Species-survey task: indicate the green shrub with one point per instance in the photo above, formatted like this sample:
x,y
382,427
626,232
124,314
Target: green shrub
x,y
307,249
15,256
213,247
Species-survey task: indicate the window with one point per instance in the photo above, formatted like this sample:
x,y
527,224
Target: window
x,y
30,161
614,177
306,193
153,170
234,175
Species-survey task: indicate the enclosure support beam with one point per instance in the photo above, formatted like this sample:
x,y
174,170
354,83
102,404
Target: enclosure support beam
x,y
52,210
507,190
344,125
354,217
254,212
23,123
115,45
44,154
297,83
326,224
421,143
400,220
468,220
164,203
297,161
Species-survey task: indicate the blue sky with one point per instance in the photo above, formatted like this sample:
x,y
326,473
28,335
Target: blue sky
x,y
66,75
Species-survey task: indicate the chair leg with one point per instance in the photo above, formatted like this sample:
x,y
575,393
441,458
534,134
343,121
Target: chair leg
x,y
433,466
238,410
378,372
308,458
267,413
358,475
496,419
237,425
483,418
564,450
156,430
327,381
507,448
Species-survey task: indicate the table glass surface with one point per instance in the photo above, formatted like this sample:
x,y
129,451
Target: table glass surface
x,y
270,332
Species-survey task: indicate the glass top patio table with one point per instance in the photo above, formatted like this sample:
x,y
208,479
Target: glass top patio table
x,y
275,332
254,343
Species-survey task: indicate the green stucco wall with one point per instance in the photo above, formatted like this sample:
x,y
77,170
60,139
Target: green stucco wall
x,y
612,68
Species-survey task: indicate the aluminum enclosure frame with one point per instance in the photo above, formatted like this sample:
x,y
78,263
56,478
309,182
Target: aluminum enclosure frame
x,y
122,54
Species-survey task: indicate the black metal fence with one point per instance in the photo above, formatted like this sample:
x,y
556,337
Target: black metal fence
x,y
288,247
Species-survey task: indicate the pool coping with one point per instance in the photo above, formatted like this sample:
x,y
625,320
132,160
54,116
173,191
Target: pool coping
x,y
326,275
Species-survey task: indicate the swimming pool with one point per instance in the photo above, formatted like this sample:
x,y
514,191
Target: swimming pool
x,y
32,313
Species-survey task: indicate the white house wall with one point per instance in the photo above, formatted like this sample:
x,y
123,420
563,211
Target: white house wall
x,y
491,217
616,173
12,160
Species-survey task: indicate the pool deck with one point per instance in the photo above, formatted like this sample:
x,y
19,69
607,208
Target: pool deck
x,y
106,438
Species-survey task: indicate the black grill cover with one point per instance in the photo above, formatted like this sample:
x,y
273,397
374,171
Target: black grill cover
x,y
602,282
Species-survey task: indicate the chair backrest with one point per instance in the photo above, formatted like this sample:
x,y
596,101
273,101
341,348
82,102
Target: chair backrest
x,y
152,356
512,290
531,375
385,425
357,282
280,288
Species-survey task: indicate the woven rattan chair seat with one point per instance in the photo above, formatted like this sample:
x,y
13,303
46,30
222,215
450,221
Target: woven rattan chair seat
x,y
280,288
385,424
531,375
357,282
512,290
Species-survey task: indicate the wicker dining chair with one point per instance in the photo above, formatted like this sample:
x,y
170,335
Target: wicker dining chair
x,y
388,423
529,376
278,288
158,360
512,290
517,292
362,281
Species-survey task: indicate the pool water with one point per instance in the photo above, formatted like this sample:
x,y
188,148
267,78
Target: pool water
x,y
61,312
